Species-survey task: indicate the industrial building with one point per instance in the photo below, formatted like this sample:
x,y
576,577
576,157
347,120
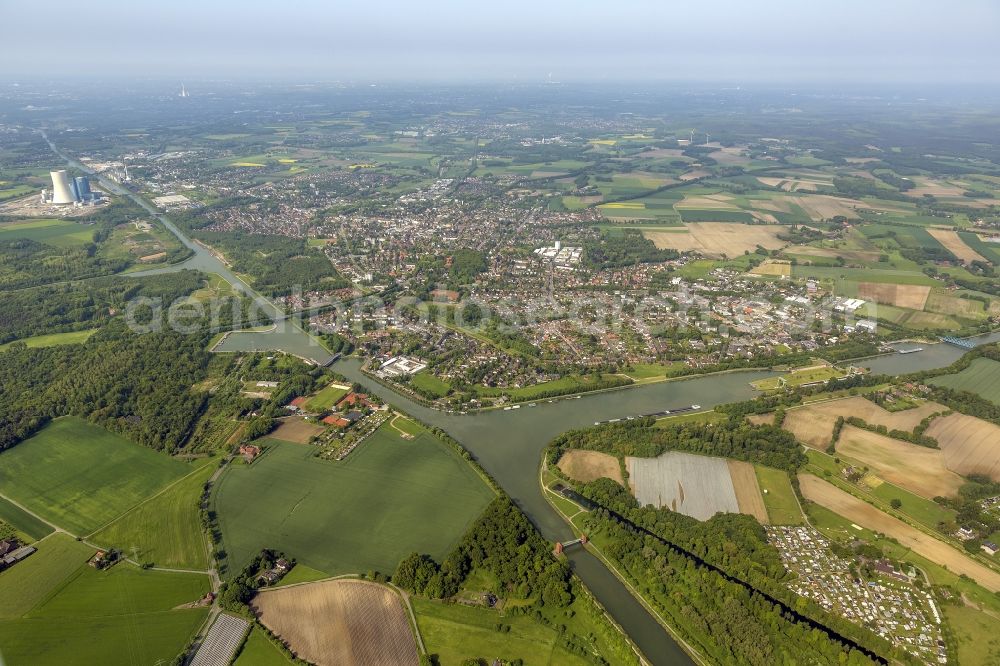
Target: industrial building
x,y
66,191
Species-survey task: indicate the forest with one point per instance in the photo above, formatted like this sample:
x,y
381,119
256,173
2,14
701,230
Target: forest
x,y
138,385
503,542
71,307
625,249
760,444
278,264
728,621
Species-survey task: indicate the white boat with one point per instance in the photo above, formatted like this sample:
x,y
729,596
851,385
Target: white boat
x,y
516,407
695,406
506,409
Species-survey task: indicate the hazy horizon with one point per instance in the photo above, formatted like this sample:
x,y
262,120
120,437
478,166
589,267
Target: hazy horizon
x,y
854,42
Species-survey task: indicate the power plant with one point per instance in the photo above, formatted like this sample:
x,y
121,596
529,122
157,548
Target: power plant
x,y
66,191
61,191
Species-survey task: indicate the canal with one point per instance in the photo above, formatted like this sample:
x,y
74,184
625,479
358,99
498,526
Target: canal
x,y
509,444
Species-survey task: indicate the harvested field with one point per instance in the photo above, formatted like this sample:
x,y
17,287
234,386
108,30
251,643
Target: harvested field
x,y
943,302
795,184
832,253
709,202
718,238
969,445
813,424
954,244
340,622
674,153
296,430
919,469
912,296
590,465
766,218
823,207
697,486
681,240
937,188
865,515
692,175
748,496
773,268
729,156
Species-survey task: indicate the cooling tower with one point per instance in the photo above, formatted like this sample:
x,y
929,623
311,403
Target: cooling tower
x,y
61,192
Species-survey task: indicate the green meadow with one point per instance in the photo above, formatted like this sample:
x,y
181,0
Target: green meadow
x,y
122,615
80,476
982,377
388,498
59,233
166,530
55,339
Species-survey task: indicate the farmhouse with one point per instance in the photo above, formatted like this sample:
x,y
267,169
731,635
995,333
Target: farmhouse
x,y
336,421
355,400
249,452
298,404
13,553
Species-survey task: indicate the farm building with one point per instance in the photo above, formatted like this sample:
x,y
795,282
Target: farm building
x,y
249,452
13,553
355,400
298,403
336,421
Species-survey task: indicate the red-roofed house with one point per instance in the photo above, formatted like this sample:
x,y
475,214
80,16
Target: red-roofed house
x,y
249,451
354,400
336,421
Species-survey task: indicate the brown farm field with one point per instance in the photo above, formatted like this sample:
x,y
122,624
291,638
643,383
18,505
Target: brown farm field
x,y
813,424
916,468
718,238
969,445
773,268
912,296
340,622
296,430
848,255
748,495
590,465
954,244
861,513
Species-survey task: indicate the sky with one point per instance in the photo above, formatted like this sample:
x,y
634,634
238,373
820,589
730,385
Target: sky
x,y
737,41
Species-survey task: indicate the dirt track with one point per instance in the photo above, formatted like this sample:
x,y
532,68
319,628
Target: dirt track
x,y
295,430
